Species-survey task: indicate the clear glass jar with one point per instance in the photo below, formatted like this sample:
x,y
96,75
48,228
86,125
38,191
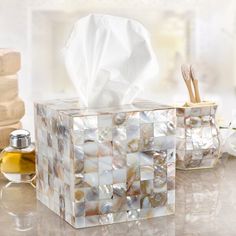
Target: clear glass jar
x,y
17,161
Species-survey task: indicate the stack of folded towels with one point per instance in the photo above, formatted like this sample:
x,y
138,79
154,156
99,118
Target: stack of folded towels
x,y
12,108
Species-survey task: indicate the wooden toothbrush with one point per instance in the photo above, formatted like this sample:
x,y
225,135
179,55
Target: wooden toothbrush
x,y
186,75
195,84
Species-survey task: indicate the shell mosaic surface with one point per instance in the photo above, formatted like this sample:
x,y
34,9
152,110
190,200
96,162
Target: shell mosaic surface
x,y
104,166
197,137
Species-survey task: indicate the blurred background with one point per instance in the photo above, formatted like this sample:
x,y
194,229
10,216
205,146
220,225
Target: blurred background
x,y
200,32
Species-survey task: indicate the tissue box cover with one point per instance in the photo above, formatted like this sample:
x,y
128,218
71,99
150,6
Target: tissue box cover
x,y
107,165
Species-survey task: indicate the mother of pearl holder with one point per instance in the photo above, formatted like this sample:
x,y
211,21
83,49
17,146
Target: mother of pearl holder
x,y
197,136
107,165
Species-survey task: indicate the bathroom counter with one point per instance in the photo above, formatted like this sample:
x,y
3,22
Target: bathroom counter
x,y
205,205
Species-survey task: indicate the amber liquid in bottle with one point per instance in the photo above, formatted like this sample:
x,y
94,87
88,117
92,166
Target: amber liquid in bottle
x,y
18,165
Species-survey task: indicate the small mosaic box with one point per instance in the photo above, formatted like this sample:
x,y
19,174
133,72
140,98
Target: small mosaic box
x,y
108,165
197,137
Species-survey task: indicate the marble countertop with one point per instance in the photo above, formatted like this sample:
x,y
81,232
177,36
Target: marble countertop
x,y
205,205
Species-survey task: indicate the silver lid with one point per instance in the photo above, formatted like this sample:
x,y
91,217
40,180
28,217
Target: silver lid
x,y
20,138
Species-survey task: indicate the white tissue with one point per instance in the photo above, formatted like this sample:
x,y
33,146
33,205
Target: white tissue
x,y
108,59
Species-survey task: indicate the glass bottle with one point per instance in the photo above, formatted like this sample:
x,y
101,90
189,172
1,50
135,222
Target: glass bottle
x,y
17,161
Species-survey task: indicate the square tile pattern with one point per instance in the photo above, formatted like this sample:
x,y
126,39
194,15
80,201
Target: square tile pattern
x,y
197,137
104,166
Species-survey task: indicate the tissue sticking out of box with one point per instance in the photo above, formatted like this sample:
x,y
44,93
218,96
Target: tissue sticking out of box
x,y
109,59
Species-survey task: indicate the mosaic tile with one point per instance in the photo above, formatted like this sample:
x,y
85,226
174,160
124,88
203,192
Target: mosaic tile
x,y
104,134
119,190
90,149
105,191
146,172
146,116
90,165
145,158
133,159
119,118
160,116
105,149
91,179
119,133
91,134
133,189
147,144
79,209
146,186
133,118
104,121
79,195
119,176
98,167
105,163
105,177
91,194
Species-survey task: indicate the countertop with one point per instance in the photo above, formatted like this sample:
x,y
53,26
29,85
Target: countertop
x,y
205,205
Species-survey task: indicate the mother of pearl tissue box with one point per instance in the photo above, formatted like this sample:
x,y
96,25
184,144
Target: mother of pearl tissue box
x,y
106,165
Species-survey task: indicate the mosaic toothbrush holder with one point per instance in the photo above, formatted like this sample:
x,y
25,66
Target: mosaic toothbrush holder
x,y
109,165
197,137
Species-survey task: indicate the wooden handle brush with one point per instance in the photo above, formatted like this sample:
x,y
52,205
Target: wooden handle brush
x,y
186,75
195,84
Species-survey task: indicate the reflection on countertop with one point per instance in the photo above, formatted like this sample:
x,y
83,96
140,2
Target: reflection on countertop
x,y
18,201
205,205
